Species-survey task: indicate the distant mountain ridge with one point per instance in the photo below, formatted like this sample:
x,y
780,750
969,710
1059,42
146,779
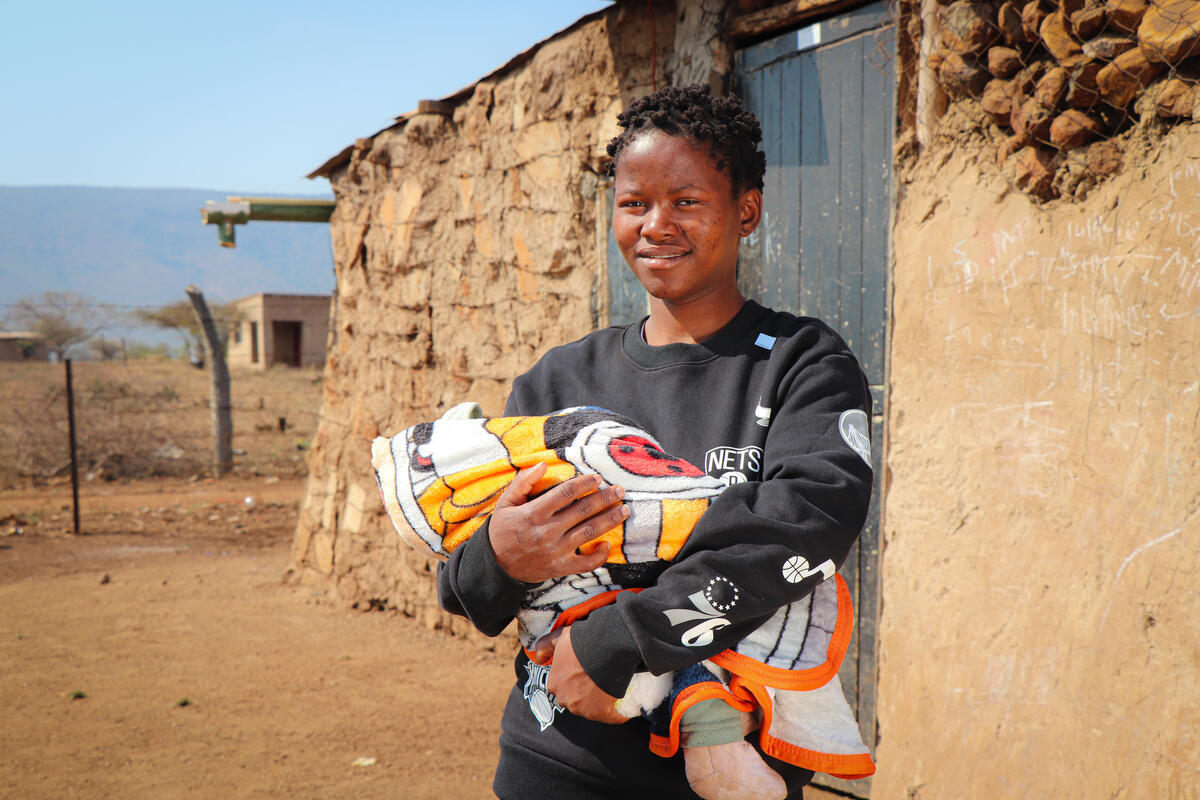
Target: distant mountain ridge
x,y
141,247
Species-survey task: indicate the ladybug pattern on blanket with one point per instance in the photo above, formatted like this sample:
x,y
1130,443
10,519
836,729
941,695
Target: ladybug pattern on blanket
x,y
440,481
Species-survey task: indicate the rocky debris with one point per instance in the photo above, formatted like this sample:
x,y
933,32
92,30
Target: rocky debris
x,y
1008,20
961,76
1103,159
1073,129
969,26
1120,81
1064,73
1108,47
1031,169
1176,98
1170,31
1056,37
1126,14
997,101
1004,62
1028,77
1009,146
1032,15
1082,91
1087,22
1031,120
1052,88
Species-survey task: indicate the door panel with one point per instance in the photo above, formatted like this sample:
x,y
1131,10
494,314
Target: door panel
x,y
824,96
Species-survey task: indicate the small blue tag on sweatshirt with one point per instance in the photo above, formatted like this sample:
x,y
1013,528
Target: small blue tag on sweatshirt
x,y
764,341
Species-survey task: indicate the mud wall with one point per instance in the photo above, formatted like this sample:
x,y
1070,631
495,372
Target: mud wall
x,y
466,243
1038,635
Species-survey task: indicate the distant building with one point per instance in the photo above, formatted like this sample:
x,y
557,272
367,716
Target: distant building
x,y
279,329
23,346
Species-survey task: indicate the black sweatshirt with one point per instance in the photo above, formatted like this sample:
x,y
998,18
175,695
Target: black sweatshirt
x,y
777,406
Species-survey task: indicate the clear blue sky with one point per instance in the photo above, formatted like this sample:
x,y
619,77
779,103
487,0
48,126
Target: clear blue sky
x,y
247,96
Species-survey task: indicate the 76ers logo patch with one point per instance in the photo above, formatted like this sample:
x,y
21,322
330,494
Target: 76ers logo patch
x,y
541,702
709,607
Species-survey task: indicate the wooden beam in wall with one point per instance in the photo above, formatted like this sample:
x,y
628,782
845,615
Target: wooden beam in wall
x,y
760,24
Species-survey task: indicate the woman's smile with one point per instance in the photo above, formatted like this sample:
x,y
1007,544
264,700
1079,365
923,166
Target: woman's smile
x,y
678,220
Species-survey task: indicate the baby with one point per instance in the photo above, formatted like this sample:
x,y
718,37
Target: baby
x,y
439,482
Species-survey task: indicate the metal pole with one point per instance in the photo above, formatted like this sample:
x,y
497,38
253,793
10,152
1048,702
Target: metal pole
x,y
71,436
222,415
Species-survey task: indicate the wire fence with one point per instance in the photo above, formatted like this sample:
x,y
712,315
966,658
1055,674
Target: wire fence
x,y
151,419
1068,92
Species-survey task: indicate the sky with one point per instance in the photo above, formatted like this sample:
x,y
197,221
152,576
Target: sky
x,y
248,96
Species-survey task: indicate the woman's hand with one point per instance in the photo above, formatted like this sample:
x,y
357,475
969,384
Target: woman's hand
x,y
573,688
538,538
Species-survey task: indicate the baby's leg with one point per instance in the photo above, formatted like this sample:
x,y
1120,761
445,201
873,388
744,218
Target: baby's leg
x,y
720,764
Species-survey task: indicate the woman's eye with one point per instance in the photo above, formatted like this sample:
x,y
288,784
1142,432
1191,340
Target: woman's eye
x,y
632,204
687,201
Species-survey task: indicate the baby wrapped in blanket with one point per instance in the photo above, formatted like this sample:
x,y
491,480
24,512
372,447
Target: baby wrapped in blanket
x,y
441,480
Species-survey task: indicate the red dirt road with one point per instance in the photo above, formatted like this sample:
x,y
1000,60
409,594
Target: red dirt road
x,y
283,691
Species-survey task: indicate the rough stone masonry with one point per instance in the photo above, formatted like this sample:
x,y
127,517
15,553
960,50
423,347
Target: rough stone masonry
x,y
467,241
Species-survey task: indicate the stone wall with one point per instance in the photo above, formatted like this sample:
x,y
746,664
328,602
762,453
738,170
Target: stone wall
x,y
1038,635
1037,632
466,244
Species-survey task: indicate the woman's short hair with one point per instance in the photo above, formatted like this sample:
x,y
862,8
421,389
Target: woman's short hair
x,y
731,133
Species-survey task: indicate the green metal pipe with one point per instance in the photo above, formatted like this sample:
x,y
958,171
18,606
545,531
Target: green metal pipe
x,y
240,210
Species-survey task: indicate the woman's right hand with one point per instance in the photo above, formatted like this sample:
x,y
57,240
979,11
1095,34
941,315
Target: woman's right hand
x,y
538,538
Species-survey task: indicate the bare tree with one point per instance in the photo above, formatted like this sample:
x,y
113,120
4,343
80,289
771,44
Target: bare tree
x,y
107,349
61,319
181,318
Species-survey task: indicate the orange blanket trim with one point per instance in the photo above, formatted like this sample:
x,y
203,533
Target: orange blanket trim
x,y
850,766
799,680
747,696
747,691
666,746
581,610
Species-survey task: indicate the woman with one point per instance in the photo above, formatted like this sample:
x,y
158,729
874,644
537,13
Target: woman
x,y
773,404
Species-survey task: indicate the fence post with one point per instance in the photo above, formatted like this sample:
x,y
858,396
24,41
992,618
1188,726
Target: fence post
x,y
222,418
71,439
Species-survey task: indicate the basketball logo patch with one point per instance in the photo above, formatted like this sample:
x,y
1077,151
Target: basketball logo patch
x,y
797,568
852,425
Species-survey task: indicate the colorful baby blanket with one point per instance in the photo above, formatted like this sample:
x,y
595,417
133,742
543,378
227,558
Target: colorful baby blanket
x,y
440,480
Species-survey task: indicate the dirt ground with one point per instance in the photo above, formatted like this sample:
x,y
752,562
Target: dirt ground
x,y
162,654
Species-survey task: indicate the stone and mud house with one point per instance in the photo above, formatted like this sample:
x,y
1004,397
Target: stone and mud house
x,y
271,329
996,203
23,346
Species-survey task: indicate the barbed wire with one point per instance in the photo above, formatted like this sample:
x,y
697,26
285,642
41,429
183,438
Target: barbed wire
x,y
148,423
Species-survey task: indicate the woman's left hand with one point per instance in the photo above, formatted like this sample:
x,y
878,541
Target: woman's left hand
x,y
573,688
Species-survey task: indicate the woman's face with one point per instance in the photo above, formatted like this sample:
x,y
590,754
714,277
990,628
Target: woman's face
x,y
678,221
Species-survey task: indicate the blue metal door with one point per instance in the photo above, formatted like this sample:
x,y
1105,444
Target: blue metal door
x,y
825,97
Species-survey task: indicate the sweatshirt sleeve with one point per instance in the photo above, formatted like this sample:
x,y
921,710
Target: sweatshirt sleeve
x,y
761,544
471,584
